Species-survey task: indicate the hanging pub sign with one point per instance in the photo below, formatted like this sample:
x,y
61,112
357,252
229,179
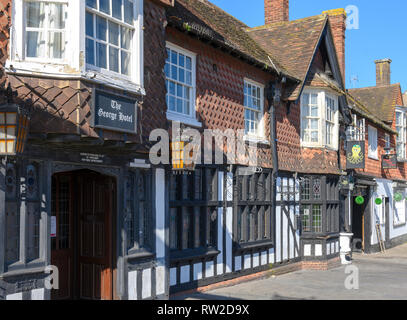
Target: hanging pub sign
x,y
355,155
114,112
389,161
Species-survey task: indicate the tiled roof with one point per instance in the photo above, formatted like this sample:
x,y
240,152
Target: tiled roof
x,y
212,23
293,44
380,101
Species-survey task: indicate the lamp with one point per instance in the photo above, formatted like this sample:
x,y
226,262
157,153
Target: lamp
x,y
14,125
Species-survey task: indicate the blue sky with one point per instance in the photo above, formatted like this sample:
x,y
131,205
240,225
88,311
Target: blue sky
x,y
382,33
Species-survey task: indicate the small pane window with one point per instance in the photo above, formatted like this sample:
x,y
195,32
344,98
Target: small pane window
x,y
179,82
109,46
253,97
45,29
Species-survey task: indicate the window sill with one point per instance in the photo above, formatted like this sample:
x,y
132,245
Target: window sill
x,y
58,71
193,254
315,146
253,139
22,272
140,255
400,225
245,247
172,116
375,158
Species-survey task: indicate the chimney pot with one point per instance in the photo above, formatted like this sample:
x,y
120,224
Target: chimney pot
x,y
383,72
276,11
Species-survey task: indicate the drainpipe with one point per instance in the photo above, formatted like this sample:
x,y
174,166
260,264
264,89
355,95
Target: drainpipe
x,y
273,93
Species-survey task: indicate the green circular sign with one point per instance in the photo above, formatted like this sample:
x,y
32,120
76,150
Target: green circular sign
x,y
398,197
360,200
378,201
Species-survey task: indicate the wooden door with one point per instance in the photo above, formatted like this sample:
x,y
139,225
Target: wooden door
x,y
62,255
95,270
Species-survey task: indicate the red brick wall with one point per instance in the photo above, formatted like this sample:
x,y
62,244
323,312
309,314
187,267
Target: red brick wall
x,y
276,11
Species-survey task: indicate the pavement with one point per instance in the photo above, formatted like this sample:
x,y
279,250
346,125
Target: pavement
x,y
382,276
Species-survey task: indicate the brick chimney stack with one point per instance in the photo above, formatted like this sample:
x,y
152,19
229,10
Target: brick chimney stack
x,y
337,20
383,72
276,11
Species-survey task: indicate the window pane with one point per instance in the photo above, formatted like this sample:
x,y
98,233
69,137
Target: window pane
x,y
113,59
101,57
189,63
35,44
57,45
89,24
126,63
117,9
101,28
56,16
126,38
91,3
114,33
35,14
128,12
90,51
104,6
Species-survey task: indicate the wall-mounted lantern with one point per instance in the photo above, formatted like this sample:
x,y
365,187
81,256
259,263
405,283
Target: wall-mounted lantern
x,y
14,126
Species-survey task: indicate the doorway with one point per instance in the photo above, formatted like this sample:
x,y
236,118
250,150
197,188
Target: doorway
x,y
358,225
82,233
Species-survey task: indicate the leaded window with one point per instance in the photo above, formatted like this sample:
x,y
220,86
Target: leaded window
x,y
253,207
109,35
12,237
194,203
138,210
319,204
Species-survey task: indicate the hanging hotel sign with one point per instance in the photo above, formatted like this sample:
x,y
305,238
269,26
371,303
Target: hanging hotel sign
x,y
355,155
114,112
389,161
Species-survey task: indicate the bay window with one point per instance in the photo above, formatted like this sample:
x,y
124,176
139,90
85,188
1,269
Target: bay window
x,y
319,119
101,36
45,29
401,127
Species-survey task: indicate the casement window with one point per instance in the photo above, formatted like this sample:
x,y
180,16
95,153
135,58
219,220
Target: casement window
x,y
101,39
194,203
253,208
139,210
399,209
45,29
109,35
254,105
401,127
319,119
319,204
373,152
357,131
180,72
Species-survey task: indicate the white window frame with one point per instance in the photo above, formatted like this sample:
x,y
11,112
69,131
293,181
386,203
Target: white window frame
x,y
373,153
403,138
74,64
322,116
357,131
181,117
260,136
